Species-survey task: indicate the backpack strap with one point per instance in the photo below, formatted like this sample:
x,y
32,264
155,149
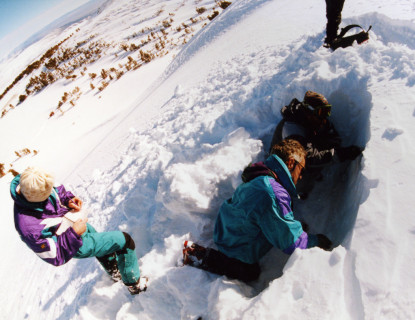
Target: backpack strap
x,y
346,29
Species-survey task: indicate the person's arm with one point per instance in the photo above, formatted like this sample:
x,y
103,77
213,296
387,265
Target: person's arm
x,y
53,249
317,157
328,138
64,195
348,153
288,235
281,229
321,147
68,199
284,232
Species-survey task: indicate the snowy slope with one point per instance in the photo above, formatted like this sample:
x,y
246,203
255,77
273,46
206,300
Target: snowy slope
x,y
158,150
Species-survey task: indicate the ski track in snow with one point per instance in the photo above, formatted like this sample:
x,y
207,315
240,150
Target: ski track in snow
x,y
171,178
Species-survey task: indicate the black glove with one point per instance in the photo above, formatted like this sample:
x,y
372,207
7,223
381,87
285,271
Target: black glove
x,y
324,242
348,153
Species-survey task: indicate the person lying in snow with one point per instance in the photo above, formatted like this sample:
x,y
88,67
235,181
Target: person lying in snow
x,y
39,210
258,217
308,123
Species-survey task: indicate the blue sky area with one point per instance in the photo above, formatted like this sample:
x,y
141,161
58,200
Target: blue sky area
x,y
16,13
19,19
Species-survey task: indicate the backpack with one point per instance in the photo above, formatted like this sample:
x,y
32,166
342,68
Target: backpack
x,y
343,42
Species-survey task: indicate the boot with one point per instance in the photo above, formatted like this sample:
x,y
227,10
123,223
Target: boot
x,y
139,286
109,263
193,254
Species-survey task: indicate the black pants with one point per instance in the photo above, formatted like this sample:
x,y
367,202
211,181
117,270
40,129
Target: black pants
x,y
334,17
219,263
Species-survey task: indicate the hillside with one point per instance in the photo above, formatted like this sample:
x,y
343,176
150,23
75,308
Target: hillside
x,y
157,150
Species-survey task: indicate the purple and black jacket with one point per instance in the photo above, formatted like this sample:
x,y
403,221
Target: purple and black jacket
x,y
37,223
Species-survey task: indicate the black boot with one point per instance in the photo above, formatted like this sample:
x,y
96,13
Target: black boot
x,y
109,263
139,286
193,254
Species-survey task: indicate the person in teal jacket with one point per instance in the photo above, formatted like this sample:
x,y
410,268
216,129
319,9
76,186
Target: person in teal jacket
x,y
258,217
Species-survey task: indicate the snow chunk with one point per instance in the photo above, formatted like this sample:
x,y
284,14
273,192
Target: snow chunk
x,y
191,186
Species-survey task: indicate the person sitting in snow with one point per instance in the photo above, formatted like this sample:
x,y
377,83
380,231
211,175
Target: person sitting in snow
x,y
258,217
308,123
39,208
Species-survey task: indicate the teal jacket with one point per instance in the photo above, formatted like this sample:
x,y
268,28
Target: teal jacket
x,y
259,216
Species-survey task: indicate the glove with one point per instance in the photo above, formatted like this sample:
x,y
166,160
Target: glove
x,y
348,153
324,242
305,226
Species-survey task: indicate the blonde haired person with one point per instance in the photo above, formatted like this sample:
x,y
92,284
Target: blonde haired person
x,y
39,210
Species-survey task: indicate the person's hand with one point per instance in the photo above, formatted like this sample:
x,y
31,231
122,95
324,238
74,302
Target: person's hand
x,y
324,242
75,204
79,226
348,153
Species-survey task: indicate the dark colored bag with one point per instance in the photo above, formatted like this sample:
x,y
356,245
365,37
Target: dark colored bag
x,y
343,42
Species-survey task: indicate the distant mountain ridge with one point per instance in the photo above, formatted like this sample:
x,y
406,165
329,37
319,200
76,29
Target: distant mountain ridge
x,y
91,8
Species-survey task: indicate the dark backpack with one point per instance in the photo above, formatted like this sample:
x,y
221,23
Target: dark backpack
x,y
343,42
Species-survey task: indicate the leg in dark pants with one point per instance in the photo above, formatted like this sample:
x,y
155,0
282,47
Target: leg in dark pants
x,y
110,264
216,262
334,17
104,245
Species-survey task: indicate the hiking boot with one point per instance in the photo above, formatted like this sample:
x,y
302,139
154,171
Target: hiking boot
x,y
139,286
193,254
109,263
115,275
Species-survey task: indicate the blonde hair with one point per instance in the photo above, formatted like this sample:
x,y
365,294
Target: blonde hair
x,y
36,184
289,148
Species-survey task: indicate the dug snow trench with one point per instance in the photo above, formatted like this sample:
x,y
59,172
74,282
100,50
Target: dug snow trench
x,y
190,160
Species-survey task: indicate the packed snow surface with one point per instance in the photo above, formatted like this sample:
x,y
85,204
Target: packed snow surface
x,y
157,151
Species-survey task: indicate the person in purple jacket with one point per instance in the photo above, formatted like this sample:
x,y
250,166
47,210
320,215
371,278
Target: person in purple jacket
x,y
39,210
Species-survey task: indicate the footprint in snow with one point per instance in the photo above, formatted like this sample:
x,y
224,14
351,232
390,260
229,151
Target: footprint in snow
x,y
391,133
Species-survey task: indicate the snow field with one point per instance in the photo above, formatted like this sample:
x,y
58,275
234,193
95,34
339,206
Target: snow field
x,y
183,143
195,171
